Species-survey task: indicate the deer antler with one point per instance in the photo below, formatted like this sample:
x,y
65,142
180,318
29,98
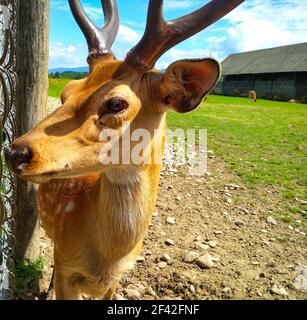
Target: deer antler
x,y
161,35
99,40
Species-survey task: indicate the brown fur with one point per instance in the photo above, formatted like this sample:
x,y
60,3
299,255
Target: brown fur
x,y
252,95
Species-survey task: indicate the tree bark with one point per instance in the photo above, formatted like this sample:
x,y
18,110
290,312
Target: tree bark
x,y
32,71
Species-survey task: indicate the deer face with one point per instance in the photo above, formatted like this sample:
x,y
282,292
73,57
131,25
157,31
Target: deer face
x,y
118,95
67,143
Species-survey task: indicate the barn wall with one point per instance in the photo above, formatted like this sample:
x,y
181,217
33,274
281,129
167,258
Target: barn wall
x,y
301,87
277,86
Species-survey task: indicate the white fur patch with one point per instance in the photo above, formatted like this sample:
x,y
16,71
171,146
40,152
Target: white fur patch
x,y
70,206
124,176
122,195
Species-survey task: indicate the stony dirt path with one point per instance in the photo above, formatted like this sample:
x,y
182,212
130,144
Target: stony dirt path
x,y
218,249
213,238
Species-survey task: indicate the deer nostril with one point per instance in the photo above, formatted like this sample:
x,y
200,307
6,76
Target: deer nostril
x,y
18,158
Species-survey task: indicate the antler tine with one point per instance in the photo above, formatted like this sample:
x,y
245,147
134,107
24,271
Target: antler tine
x,y
99,40
160,35
111,17
154,15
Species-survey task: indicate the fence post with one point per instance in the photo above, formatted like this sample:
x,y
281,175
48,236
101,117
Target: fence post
x,y
32,71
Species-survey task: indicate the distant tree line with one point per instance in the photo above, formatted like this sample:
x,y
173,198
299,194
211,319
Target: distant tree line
x,y
68,75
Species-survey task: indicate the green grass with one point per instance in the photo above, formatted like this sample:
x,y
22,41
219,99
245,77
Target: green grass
x,y
27,274
264,142
56,87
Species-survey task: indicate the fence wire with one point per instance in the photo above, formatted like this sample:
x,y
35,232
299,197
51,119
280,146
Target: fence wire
x,y
8,84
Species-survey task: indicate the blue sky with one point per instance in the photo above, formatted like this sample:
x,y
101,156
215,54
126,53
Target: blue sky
x,y
254,25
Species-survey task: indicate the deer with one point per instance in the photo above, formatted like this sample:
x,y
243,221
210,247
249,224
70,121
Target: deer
x,y
252,95
97,213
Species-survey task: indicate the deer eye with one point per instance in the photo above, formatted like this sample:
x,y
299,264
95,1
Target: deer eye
x,y
116,105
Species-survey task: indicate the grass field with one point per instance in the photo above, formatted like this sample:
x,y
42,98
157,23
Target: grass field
x,y
264,142
56,86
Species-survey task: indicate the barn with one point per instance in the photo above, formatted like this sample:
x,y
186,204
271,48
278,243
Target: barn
x,y
277,73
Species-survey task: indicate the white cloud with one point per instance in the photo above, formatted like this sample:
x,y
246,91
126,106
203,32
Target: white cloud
x,y
140,25
60,5
125,40
74,55
71,56
71,48
183,4
175,54
61,55
127,34
258,24
94,13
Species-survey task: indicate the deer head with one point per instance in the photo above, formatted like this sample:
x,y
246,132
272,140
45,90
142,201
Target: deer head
x,y
68,142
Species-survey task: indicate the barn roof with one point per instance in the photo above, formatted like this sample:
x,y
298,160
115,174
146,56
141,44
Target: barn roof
x,y
292,58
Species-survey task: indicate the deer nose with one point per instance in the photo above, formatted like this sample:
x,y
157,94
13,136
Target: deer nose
x,y
18,158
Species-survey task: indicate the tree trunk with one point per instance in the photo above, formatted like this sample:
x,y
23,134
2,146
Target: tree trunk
x,y
32,71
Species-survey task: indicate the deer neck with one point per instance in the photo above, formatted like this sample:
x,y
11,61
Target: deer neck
x,y
122,209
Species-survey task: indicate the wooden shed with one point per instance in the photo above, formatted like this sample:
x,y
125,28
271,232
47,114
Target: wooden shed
x,y
278,73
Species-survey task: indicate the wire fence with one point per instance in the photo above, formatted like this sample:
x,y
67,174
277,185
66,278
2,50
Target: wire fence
x,y
276,90
8,84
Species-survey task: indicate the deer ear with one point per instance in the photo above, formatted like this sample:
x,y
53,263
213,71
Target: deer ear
x,y
186,82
